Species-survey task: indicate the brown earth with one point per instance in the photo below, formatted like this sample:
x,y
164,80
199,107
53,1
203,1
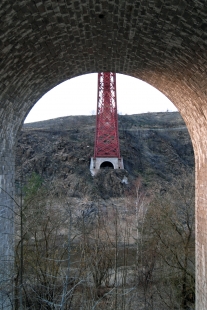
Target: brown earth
x,y
155,147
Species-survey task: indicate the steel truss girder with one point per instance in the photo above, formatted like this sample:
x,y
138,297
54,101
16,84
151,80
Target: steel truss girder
x,y
106,138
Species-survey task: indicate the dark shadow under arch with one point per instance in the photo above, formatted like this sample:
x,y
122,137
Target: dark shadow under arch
x,y
106,165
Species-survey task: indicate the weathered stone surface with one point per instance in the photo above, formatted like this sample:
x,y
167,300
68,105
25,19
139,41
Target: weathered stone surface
x,y
164,43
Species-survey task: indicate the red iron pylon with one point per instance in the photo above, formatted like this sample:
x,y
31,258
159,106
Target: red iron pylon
x,y
106,138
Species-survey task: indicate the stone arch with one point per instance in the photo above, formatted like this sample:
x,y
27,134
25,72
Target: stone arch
x,y
163,43
106,164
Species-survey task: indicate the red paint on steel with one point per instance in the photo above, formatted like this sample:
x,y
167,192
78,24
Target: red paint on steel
x,y
106,138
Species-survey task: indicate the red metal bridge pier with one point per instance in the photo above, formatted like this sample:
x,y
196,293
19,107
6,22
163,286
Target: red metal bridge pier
x,y
106,148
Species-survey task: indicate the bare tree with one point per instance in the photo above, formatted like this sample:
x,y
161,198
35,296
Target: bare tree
x,y
170,243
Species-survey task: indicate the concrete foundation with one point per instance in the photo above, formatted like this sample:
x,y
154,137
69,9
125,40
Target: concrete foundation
x,y
96,163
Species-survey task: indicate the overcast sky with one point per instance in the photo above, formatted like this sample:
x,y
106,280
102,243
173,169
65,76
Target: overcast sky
x,y
78,96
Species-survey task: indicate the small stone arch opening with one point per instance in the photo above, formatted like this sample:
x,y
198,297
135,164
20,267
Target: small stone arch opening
x,y
106,165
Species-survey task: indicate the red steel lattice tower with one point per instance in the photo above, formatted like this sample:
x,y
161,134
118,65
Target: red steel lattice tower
x,y
106,138
106,149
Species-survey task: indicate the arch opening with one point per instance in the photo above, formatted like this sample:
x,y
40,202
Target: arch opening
x,y
66,99
172,64
106,165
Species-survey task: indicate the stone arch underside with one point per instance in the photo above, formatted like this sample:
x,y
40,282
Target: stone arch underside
x,y
43,43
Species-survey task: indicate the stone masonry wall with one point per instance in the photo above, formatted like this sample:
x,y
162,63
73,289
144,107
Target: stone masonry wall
x,y
6,224
163,42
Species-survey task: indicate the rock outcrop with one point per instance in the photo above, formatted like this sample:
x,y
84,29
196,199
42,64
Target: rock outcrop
x,y
155,147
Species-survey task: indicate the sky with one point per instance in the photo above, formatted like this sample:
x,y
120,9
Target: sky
x,y
78,96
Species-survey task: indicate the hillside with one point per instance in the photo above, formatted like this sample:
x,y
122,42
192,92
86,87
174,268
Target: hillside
x,y
155,147
108,244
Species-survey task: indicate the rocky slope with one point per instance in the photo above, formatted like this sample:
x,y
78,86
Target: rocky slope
x,y
104,220
155,147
